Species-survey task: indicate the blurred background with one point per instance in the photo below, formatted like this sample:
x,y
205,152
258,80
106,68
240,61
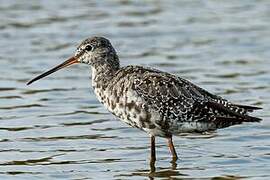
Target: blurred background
x,y
56,128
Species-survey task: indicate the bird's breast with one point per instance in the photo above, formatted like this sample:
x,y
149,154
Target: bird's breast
x,y
118,96
128,107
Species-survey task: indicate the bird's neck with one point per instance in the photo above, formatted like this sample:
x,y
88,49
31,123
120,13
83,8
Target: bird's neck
x,y
102,74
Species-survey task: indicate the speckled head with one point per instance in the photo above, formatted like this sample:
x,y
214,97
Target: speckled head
x,y
97,51
94,51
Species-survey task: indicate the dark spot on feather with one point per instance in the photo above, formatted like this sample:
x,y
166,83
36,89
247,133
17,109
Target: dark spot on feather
x,y
130,105
152,126
121,105
113,105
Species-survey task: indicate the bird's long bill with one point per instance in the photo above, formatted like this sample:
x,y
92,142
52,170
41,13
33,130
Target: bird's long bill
x,y
68,62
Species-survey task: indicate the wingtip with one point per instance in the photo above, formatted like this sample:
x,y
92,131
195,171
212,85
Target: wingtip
x,y
249,108
257,119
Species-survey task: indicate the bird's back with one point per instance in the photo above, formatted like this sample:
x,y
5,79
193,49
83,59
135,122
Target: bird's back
x,y
163,104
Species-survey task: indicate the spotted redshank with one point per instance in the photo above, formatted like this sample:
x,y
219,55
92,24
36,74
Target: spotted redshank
x,y
154,101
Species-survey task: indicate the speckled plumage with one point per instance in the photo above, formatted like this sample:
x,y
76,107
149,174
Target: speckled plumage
x,y
157,102
163,104
160,103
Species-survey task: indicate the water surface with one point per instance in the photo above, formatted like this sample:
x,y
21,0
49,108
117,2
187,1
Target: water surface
x,y
56,128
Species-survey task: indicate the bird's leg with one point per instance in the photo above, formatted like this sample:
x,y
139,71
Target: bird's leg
x,y
172,149
153,154
153,148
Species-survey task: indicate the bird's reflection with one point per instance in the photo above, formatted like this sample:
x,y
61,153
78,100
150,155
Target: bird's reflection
x,y
161,172
153,164
171,171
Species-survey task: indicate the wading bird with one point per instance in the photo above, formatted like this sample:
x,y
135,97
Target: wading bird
x,y
157,102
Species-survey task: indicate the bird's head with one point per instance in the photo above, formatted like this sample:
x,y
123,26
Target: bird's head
x,y
94,51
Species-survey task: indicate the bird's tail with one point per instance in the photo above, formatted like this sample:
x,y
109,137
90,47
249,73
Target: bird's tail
x,y
234,114
247,108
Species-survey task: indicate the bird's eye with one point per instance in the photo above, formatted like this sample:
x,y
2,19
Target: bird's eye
x,y
88,48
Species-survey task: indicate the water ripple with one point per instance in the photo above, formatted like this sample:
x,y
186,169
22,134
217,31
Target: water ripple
x,y
22,106
31,162
57,138
57,129
46,90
